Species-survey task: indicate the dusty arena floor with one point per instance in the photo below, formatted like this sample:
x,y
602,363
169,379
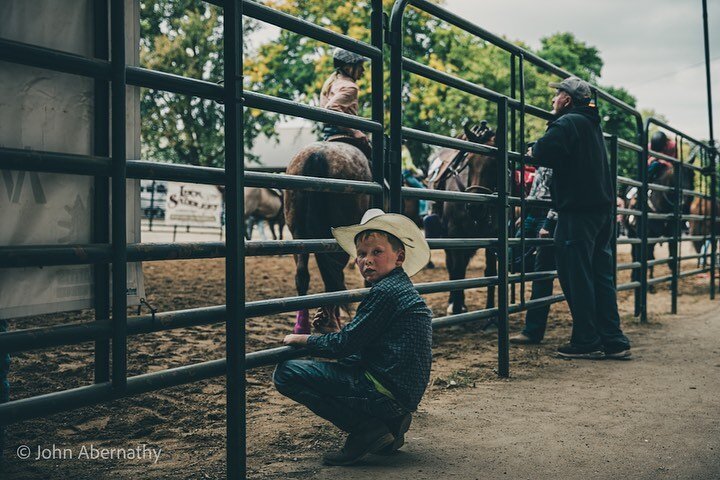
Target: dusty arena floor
x,y
470,424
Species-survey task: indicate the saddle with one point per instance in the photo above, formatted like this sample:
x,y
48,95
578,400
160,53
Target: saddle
x,y
277,192
360,142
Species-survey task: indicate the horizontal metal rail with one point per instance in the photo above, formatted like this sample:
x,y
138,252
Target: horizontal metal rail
x,y
628,266
660,216
447,142
690,273
693,193
468,87
660,239
696,256
628,241
55,60
660,261
629,181
37,338
660,188
628,286
655,281
478,31
308,29
53,162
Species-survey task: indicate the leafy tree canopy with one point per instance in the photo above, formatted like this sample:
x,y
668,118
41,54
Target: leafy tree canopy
x,y
185,37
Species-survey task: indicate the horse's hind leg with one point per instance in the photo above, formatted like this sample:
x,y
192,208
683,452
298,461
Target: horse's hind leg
x,y
331,267
302,283
457,262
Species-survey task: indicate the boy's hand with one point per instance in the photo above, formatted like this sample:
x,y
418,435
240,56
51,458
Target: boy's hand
x,y
295,340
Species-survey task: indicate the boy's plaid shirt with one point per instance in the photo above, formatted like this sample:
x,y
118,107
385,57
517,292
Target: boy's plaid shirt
x,y
390,336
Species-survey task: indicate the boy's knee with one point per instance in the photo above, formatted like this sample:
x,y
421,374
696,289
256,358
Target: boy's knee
x,y
284,375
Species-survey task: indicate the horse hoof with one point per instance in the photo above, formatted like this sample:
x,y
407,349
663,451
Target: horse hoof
x,y
451,308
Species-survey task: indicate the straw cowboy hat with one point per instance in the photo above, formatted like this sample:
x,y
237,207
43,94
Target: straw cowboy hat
x,y
417,251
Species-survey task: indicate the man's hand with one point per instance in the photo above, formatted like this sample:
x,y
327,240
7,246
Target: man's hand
x,y
295,340
543,233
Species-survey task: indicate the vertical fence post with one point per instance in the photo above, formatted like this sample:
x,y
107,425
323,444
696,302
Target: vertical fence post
x,y
676,250
502,248
613,173
101,195
236,447
152,205
396,82
377,81
521,144
713,219
119,239
643,227
513,146
713,152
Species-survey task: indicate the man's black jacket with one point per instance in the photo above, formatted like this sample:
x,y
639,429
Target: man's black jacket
x,y
573,146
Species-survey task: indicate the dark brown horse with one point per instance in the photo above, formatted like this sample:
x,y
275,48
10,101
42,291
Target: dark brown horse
x,y
478,174
702,206
310,215
663,202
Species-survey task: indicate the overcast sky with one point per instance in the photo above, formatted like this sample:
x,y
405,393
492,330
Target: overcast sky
x,y
653,48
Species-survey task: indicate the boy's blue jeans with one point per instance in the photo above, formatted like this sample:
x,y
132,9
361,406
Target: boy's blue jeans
x,y
337,392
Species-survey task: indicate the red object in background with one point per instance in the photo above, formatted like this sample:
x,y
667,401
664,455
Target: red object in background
x,y
527,180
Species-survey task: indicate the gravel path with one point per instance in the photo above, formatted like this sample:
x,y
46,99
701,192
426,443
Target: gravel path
x,y
655,417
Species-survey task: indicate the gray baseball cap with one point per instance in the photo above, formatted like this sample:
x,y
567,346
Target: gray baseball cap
x,y
348,57
578,89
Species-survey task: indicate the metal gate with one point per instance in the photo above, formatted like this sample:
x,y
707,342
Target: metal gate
x,y
112,326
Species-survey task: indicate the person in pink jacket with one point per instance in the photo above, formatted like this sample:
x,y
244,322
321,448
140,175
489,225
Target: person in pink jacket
x,y
340,93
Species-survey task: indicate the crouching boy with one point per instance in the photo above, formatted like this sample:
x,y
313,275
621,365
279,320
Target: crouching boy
x,y
384,352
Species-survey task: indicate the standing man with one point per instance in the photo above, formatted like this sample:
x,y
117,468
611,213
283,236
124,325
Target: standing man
x,y
583,193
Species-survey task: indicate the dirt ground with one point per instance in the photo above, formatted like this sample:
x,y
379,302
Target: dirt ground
x,y
653,417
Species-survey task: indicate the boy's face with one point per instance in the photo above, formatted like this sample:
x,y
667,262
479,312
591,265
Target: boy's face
x,y
376,257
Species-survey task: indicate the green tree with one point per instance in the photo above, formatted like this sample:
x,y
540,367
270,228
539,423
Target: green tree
x,y
185,37
182,37
583,60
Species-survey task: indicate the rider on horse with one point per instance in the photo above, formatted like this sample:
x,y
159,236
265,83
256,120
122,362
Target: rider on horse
x,y
340,93
662,144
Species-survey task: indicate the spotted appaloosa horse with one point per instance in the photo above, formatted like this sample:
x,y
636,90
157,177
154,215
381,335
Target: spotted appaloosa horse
x,y
310,215
478,174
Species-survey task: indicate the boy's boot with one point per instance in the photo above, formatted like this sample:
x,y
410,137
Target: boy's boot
x,y
398,426
375,436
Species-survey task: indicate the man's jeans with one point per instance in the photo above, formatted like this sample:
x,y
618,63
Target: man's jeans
x,y
585,269
536,318
336,392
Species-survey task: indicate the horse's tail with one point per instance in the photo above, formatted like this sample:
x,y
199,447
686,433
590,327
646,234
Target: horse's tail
x,y
311,223
316,224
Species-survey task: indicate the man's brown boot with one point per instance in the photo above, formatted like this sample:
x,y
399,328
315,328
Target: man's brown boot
x,y
372,438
